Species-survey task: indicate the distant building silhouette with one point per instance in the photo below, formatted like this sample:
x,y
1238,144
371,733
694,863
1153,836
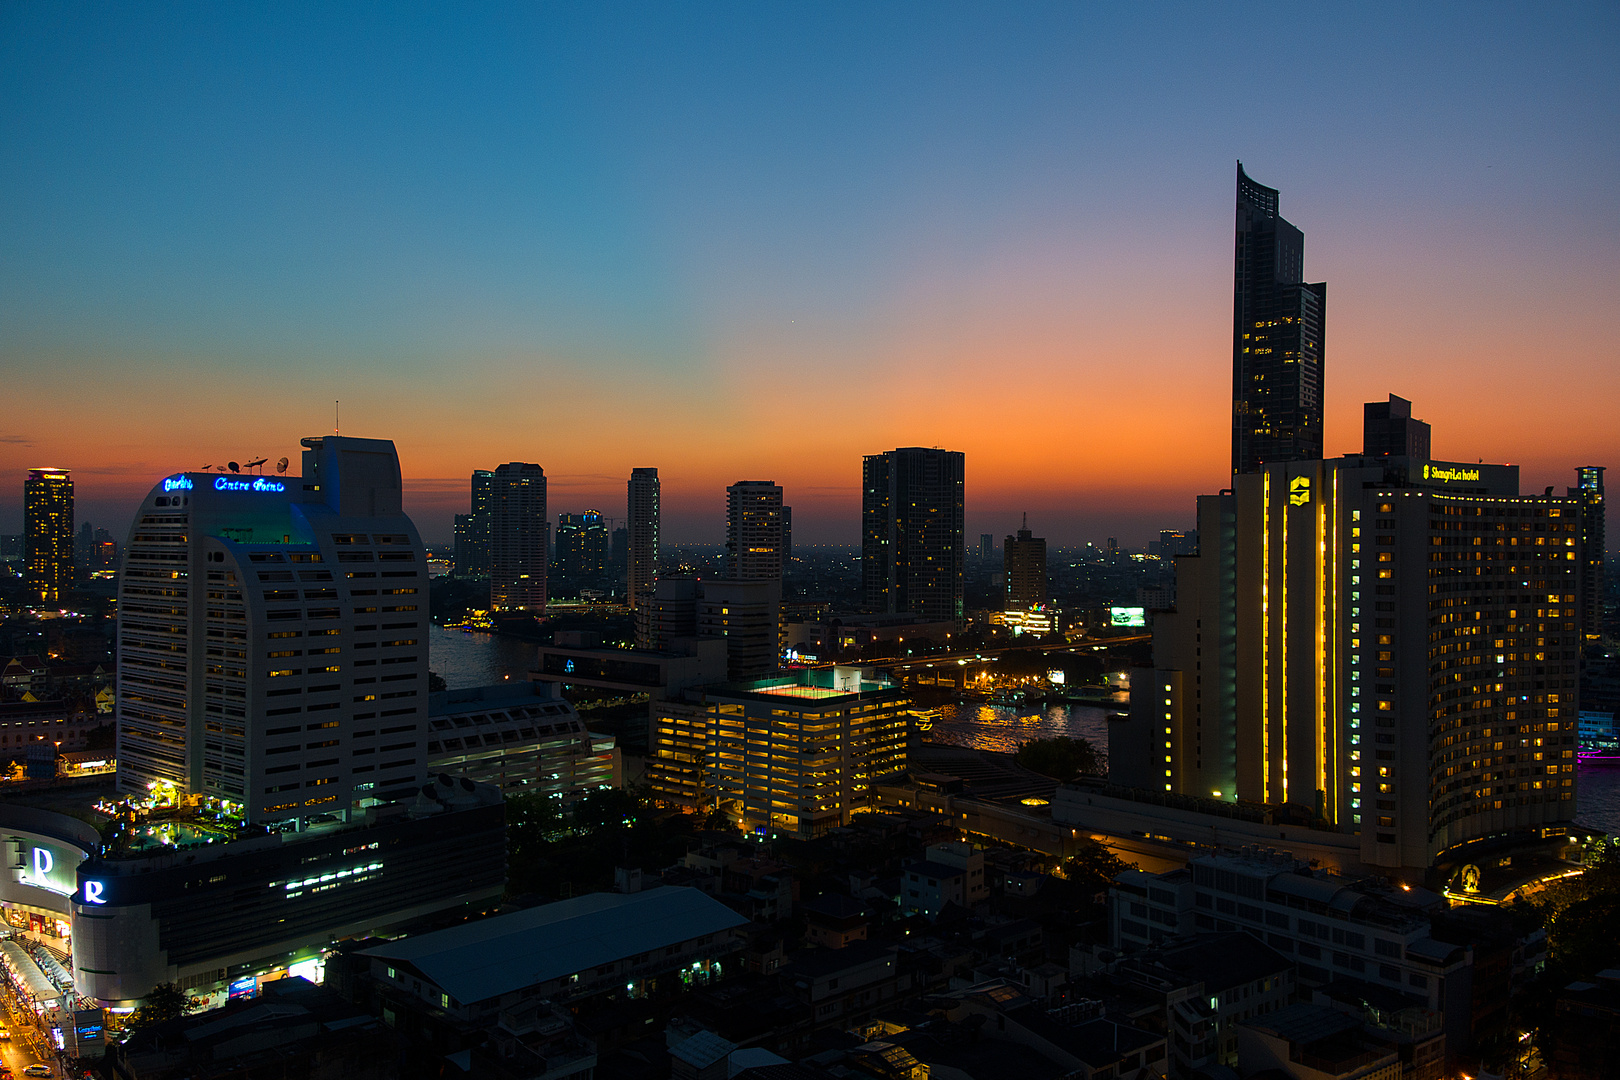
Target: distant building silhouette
x,y
642,521
1388,430
1024,560
472,530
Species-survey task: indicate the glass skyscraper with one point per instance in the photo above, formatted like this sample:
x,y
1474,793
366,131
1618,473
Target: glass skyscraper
x,y
1277,327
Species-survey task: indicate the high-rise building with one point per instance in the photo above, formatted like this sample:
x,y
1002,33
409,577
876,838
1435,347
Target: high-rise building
x,y
1388,644
84,545
272,652
754,530
472,530
912,540
987,546
518,538
582,546
1277,328
619,556
787,539
1389,430
642,520
1594,540
1024,560
797,753
569,545
48,532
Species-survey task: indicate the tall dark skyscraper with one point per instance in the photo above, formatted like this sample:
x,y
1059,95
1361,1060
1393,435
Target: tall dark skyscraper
x,y
1277,327
472,530
48,532
641,520
912,543
518,535
1594,543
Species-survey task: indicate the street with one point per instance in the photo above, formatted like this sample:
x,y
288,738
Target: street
x,y
17,1052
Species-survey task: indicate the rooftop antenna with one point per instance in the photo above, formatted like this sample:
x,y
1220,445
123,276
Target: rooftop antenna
x,y
336,427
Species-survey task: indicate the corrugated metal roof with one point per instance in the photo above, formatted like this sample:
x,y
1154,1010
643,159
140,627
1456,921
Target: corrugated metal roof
x,y
506,953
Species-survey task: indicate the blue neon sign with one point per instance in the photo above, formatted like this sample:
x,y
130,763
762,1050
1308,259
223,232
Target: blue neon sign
x,y
258,483
177,483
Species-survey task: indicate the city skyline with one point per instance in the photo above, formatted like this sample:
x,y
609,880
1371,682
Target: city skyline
x,y
1029,194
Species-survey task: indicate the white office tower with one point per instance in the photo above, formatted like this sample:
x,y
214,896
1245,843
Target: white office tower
x,y
272,653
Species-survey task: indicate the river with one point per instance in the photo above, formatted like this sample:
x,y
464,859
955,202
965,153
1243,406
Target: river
x,y
466,659
473,659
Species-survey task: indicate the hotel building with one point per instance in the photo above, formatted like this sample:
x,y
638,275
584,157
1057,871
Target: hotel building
x,y
1389,644
794,753
272,651
48,532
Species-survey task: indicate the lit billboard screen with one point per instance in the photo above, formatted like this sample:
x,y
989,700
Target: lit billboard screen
x,y
1127,616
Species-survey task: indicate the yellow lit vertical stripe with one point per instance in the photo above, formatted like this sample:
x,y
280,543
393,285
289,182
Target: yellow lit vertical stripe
x,y
1265,636
1322,737
1282,646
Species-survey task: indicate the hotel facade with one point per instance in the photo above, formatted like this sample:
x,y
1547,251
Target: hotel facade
x,y
1390,645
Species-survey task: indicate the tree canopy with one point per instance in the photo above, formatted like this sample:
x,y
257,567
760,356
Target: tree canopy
x,y
1062,758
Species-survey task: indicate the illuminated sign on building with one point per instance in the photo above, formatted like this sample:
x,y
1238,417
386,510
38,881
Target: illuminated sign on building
x,y
50,867
92,893
1127,616
258,483
177,483
1449,474
1299,491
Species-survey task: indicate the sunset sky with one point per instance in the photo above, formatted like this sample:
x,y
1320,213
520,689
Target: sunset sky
x,y
757,241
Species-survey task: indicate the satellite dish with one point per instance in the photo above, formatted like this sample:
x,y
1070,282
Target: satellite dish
x,y
255,463
281,466
234,467
221,468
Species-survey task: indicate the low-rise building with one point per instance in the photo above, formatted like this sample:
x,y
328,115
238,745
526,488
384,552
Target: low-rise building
x,y
291,1028
601,943
950,873
1331,927
524,738
1209,984
1314,1042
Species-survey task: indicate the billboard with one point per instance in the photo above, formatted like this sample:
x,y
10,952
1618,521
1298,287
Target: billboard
x,y
1127,616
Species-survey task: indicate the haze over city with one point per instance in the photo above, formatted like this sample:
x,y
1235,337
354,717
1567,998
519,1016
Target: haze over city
x,y
758,243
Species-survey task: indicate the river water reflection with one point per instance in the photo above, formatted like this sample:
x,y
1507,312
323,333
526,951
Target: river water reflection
x,y
471,659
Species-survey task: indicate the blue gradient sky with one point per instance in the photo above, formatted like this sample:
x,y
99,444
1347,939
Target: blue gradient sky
x,y
758,241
